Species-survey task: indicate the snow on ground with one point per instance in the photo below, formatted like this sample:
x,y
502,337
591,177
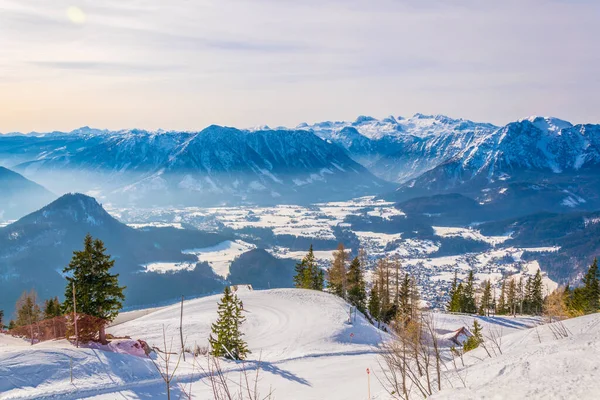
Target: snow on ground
x,y
535,363
307,348
220,257
157,225
323,257
163,267
468,233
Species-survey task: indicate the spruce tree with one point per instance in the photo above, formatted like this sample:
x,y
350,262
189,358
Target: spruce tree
x,y
469,305
404,301
511,297
501,310
1,319
97,290
537,297
475,340
486,298
374,302
591,289
300,276
451,295
52,308
226,337
357,294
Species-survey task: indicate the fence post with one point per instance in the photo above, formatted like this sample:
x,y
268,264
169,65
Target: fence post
x,y
75,317
181,328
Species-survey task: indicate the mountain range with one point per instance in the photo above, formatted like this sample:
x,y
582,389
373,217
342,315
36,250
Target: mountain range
x,y
19,196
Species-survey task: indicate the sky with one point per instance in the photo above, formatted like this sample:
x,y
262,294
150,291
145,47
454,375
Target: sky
x,y
186,64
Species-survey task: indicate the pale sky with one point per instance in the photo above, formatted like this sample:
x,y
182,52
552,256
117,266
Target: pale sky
x,y
177,64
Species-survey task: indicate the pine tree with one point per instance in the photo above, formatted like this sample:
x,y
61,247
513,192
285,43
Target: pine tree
x,y
97,290
27,311
357,294
336,273
486,298
451,301
457,301
501,310
300,276
475,340
511,297
469,305
1,320
226,337
537,297
591,289
11,325
374,302
404,300
308,274
52,308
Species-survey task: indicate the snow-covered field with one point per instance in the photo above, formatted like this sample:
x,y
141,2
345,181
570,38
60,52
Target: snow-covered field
x,y
318,221
307,350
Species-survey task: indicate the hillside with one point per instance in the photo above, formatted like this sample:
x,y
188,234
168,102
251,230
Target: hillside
x,y
19,195
536,363
35,249
302,340
218,165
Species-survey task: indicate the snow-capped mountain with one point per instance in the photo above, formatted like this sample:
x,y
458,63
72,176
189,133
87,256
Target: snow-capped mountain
x,y
398,149
215,166
19,196
535,154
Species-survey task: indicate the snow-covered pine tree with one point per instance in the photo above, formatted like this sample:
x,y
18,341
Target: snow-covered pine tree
x,y
357,294
226,337
97,291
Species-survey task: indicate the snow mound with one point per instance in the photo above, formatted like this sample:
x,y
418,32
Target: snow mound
x,y
280,323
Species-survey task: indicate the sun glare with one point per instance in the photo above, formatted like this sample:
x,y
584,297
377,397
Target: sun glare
x,y
76,15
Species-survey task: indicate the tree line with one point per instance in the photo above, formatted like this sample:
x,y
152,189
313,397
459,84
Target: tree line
x,y
91,288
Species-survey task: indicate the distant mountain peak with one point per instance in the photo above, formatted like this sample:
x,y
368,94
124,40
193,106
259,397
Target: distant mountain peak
x,y
548,124
73,207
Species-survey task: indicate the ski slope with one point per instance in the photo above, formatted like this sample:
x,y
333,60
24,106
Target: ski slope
x,y
306,349
535,363
302,339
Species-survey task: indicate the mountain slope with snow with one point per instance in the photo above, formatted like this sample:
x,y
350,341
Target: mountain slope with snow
x,y
218,165
398,149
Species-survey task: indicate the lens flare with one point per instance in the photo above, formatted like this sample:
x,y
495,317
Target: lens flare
x,y
76,15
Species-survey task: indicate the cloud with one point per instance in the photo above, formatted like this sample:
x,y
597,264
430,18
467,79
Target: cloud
x,y
186,64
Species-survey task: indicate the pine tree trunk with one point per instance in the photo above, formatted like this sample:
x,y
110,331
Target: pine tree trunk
x,y
103,334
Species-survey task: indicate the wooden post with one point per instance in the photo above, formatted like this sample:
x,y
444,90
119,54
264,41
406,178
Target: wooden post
x,y
181,329
71,367
75,317
369,383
